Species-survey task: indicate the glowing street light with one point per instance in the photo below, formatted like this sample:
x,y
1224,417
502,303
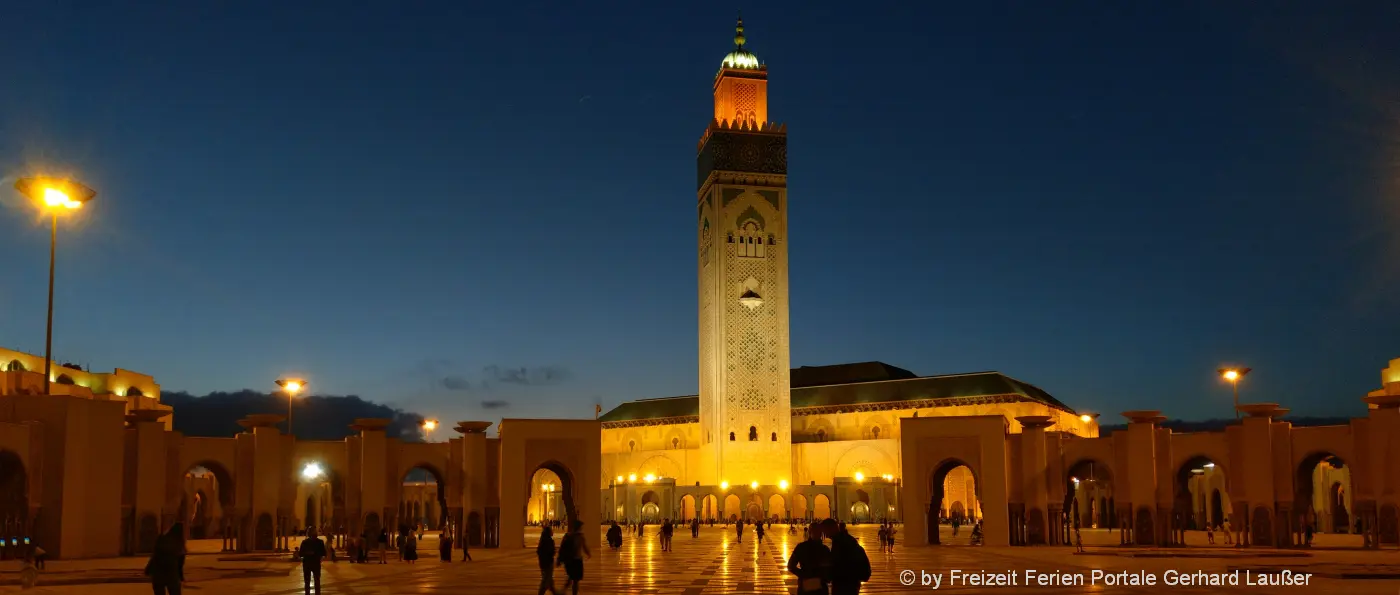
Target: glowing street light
x,y
430,425
1085,418
56,196
291,386
649,478
311,471
631,477
753,485
723,485
782,484
619,479
860,477
1233,376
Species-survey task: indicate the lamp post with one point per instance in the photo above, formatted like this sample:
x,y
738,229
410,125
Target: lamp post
x,y
55,195
1233,376
428,426
291,386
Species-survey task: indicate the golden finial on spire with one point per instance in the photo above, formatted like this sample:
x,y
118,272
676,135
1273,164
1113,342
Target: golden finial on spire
x,y
739,32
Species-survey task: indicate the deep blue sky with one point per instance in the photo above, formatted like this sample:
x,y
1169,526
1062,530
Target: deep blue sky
x,y
1104,199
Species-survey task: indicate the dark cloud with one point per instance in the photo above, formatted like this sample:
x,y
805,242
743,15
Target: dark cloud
x,y
539,376
456,383
494,404
317,417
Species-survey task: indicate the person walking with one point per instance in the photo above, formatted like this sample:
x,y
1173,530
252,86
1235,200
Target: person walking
x,y
166,568
739,530
445,546
571,554
1078,539
311,551
545,552
466,553
850,566
810,563
758,531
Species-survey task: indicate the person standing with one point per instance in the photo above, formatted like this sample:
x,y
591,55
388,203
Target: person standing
x,y
1229,537
810,563
571,553
758,531
850,566
545,552
445,546
383,546
311,551
466,553
410,548
739,530
167,564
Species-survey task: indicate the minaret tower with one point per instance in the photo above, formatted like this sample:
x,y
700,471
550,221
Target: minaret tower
x,y
745,393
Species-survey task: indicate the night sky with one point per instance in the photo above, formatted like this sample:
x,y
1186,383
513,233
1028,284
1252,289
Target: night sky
x,y
415,201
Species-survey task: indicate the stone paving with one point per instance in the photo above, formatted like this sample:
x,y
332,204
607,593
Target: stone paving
x,y
717,563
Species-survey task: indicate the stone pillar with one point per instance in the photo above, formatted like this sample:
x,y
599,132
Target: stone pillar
x,y
474,480
1142,476
1035,488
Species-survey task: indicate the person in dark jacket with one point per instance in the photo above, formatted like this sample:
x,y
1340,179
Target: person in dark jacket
x,y
572,550
311,552
167,564
545,552
810,563
850,566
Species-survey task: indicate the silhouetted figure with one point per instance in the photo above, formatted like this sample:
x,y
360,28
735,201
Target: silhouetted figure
x,y
383,546
445,547
571,553
810,563
167,564
545,552
850,566
410,548
311,551
615,536
739,530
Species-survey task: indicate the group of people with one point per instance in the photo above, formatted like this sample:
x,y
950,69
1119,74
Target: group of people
x,y
839,569
570,554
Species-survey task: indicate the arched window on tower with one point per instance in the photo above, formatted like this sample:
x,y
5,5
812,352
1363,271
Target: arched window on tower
x,y
731,436
631,446
775,436
752,243
675,443
753,434
875,432
821,435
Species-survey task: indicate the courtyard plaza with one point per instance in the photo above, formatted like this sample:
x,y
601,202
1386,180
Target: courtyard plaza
x,y
715,563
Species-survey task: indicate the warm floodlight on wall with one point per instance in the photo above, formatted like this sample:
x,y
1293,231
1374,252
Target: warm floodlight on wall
x,y
753,485
311,471
1209,465
723,485
860,476
649,478
632,477
782,484
619,479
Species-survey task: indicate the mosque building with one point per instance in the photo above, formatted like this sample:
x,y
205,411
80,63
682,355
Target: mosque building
x,y
762,440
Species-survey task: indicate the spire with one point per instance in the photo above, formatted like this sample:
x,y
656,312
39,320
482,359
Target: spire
x,y
741,58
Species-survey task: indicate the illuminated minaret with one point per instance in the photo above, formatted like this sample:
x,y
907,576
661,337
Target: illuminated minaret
x,y
745,397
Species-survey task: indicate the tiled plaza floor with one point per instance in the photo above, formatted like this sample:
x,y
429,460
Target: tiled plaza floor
x,y
715,563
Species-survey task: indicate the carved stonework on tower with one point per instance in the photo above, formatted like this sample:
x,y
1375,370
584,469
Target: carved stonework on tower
x,y
743,282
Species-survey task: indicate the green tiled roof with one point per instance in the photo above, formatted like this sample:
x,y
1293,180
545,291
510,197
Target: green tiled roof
x,y
864,383
980,384
654,409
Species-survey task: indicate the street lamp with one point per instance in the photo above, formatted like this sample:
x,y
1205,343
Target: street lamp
x,y
1233,376
291,386
57,196
428,427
